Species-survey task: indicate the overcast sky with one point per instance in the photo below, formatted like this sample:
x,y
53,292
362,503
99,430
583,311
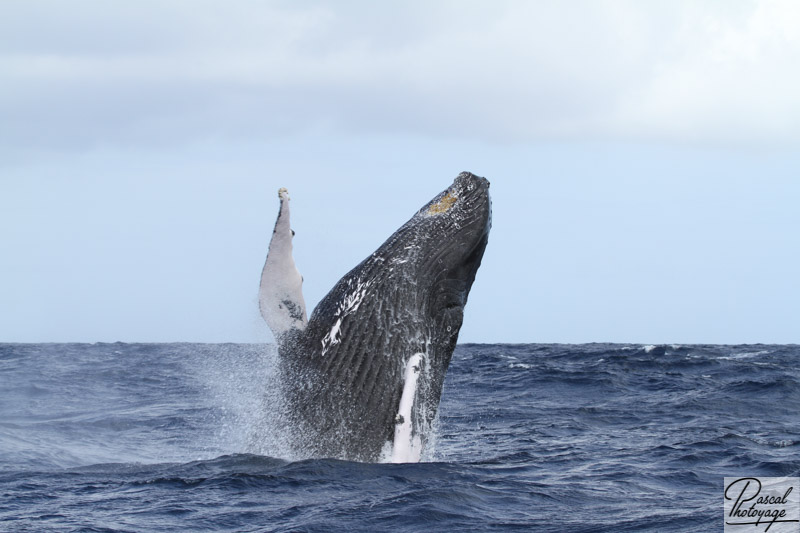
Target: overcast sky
x,y
644,160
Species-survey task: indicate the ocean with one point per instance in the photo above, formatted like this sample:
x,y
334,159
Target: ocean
x,y
563,438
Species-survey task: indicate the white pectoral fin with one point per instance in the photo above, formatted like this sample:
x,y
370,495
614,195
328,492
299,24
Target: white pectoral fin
x,y
280,296
407,447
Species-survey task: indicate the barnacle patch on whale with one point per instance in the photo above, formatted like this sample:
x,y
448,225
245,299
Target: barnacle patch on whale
x,y
443,205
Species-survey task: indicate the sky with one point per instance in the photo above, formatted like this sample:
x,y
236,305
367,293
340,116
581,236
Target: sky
x,y
644,160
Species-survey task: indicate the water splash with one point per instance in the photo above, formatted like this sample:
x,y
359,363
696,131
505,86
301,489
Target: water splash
x,y
247,413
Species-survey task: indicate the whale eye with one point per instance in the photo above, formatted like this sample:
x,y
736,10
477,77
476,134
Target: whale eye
x,y
442,205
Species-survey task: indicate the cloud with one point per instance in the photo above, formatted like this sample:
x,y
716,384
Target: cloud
x,y
725,78
87,73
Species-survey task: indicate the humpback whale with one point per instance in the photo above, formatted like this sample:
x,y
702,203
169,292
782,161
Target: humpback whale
x,y
362,377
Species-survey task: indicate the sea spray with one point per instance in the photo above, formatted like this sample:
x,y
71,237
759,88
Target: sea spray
x,y
243,386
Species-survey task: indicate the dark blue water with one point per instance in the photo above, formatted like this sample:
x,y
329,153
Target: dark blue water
x,y
181,437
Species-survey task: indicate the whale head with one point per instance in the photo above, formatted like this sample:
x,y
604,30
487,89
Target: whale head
x,y
450,235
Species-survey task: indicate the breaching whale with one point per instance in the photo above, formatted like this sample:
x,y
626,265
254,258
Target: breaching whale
x,y
362,377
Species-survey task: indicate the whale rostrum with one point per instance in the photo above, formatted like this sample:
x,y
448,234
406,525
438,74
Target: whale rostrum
x,y
362,377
